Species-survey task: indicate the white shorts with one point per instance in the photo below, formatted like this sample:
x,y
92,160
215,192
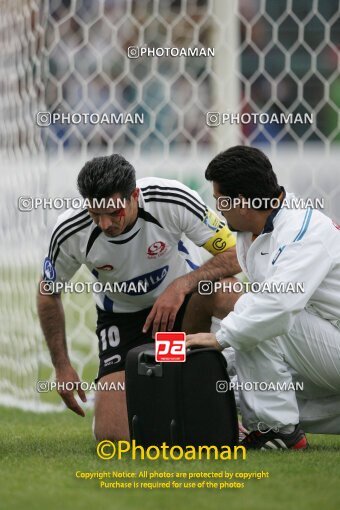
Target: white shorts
x,y
308,354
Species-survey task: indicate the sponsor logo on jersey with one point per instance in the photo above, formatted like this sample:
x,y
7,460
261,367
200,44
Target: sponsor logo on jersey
x,y
49,270
156,249
105,267
212,221
146,282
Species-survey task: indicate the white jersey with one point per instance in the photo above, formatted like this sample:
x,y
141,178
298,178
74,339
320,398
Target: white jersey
x,y
147,258
296,246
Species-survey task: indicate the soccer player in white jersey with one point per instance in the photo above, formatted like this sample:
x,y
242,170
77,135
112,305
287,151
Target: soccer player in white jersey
x,y
280,338
140,242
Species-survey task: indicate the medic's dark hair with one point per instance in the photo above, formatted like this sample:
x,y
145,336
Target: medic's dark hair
x,y
244,171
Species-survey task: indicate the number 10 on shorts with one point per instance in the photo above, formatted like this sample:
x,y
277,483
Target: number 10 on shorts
x,y
170,347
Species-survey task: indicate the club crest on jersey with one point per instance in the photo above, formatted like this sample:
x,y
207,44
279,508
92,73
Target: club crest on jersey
x,y
156,249
49,270
146,282
105,267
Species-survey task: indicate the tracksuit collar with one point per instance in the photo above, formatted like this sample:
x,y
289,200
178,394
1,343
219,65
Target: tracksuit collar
x,y
269,225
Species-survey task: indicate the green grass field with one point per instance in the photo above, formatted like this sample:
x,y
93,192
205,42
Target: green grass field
x,y
40,454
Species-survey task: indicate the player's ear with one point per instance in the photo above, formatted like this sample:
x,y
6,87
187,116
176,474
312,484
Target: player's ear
x,y
135,193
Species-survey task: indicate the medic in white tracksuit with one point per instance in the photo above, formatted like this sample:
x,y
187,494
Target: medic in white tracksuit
x,y
284,338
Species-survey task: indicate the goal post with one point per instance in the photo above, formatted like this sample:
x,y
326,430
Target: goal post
x,y
225,65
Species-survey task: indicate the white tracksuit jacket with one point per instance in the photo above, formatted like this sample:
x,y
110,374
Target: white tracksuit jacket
x,y
296,245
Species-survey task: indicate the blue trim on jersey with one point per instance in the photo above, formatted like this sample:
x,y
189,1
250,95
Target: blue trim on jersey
x,y
108,304
181,247
301,233
95,273
191,264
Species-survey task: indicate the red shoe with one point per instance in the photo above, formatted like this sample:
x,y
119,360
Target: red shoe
x,y
276,440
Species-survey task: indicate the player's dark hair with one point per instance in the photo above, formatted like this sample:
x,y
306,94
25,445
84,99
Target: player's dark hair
x,y
243,171
104,176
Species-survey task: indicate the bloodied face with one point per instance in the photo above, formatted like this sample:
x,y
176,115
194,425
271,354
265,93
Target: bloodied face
x,y
115,214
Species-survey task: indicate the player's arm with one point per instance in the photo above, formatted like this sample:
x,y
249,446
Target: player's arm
x,y
214,236
52,320
59,266
163,313
221,265
206,230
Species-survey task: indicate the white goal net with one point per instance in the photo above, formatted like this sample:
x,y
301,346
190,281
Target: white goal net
x,y
117,76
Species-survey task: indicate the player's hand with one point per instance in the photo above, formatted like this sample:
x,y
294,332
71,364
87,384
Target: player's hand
x,y
203,340
69,375
163,314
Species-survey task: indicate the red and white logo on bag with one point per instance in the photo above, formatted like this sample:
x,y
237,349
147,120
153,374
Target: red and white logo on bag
x,y
170,346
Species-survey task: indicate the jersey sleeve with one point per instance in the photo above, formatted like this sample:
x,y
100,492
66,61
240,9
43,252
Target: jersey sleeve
x,y
221,239
201,224
60,263
61,268
258,317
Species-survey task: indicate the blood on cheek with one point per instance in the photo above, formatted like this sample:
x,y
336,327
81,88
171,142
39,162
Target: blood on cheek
x,y
121,214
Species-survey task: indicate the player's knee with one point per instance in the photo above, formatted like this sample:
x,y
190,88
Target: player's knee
x,y
116,432
224,299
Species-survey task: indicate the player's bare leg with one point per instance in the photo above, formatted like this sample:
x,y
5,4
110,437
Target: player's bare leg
x,y
111,419
200,309
110,411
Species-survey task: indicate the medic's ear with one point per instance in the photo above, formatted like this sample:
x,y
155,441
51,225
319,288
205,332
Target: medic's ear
x,y
244,205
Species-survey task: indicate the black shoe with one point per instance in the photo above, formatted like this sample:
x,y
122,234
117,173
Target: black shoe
x,y
276,440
